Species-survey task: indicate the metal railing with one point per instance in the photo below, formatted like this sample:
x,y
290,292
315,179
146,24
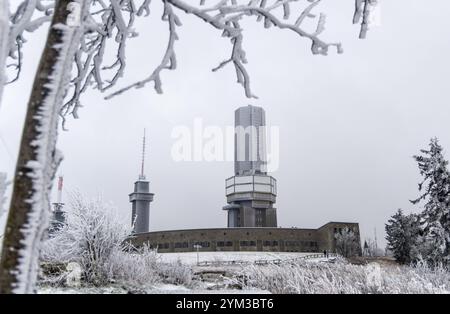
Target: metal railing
x,y
266,261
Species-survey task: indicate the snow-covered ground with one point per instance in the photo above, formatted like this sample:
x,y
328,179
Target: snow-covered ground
x,y
190,258
158,289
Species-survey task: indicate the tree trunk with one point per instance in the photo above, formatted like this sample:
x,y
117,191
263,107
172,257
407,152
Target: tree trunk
x,y
38,158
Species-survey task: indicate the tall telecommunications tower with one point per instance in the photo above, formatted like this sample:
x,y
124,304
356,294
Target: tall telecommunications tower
x,y
250,193
140,199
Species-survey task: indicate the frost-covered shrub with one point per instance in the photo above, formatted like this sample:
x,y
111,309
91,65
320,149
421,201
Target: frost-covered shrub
x,y
91,236
340,278
176,273
347,243
134,268
95,238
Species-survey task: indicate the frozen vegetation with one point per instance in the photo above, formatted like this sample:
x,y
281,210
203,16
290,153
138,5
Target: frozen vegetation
x,y
305,277
344,278
426,235
90,255
93,241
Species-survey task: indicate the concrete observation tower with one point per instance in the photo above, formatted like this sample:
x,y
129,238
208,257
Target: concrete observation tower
x,y
140,200
250,193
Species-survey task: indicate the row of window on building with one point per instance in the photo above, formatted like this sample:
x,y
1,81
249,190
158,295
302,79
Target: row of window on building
x,y
301,243
339,230
206,244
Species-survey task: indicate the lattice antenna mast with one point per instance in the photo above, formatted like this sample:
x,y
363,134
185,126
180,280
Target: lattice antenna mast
x,y
59,204
142,176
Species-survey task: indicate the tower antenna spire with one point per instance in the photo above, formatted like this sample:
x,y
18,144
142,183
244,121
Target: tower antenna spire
x,y
142,176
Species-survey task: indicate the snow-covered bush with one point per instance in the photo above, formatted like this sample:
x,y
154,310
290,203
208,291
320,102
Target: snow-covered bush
x,y
91,236
176,273
137,268
344,278
347,243
95,238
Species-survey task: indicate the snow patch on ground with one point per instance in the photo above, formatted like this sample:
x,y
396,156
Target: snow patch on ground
x,y
190,258
158,289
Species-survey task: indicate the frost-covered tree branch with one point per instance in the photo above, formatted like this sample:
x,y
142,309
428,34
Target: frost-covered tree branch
x,y
112,22
362,15
29,16
4,44
225,16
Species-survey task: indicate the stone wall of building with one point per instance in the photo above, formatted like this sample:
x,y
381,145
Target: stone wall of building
x,y
245,239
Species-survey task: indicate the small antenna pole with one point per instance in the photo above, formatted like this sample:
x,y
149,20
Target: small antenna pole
x,y
142,176
376,241
60,187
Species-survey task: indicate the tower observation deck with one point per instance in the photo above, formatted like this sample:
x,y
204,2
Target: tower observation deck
x,y
250,193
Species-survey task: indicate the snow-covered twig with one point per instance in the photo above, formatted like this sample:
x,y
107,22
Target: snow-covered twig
x,y
225,16
362,15
113,20
24,20
4,46
169,59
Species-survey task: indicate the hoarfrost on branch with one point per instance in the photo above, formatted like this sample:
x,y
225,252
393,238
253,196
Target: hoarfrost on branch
x,y
4,44
114,20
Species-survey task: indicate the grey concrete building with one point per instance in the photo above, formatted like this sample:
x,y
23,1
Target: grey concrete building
x,y
250,193
252,218
247,239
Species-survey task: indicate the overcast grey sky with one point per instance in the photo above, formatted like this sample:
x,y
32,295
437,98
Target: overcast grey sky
x,y
349,123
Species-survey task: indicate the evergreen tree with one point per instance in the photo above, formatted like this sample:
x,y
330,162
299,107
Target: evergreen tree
x,y
403,237
435,189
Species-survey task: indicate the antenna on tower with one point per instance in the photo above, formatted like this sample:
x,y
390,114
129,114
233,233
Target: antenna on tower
x,y
60,187
376,241
58,205
142,176
58,213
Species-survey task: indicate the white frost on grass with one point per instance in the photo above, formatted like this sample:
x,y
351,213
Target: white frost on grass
x,y
4,31
344,278
43,168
